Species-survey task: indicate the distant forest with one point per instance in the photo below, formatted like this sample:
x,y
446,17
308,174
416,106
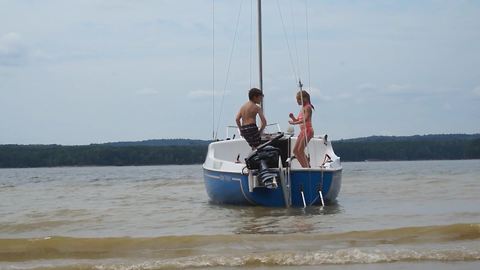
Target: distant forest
x,y
184,151
426,147
22,156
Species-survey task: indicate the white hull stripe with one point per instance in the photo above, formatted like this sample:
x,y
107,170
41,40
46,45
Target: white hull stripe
x,y
212,176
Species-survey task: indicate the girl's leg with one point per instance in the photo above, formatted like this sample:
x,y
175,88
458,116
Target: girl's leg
x,y
300,145
295,149
299,150
309,135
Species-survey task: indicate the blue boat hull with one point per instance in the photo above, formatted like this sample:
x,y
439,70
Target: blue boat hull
x,y
232,188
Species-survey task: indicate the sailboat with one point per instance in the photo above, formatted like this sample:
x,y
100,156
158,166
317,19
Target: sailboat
x,y
270,176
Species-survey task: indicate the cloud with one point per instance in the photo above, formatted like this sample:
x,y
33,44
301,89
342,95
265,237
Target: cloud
x,y
147,92
316,93
12,50
476,91
398,88
369,87
392,88
199,94
447,106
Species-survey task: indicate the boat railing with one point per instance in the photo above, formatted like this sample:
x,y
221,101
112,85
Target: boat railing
x,y
237,131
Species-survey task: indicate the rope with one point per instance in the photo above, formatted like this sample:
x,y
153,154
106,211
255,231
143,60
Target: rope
x,y
300,85
310,87
294,68
308,58
228,67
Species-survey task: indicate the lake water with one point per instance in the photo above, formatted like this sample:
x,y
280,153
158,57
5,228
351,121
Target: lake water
x,y
389,215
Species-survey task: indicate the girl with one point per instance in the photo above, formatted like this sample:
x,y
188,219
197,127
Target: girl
x,y
304,119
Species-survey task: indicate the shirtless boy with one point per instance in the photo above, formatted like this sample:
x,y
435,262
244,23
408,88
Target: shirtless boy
x,y
248,116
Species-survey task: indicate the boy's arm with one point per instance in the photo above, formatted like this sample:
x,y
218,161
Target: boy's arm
x,y
238,117
262,118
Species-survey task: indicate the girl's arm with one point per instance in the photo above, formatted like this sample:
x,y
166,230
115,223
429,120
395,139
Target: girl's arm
x,y
292,117
297,122
293,121
307,112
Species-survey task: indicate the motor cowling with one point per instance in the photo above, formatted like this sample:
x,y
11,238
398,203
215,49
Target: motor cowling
x,y
265,162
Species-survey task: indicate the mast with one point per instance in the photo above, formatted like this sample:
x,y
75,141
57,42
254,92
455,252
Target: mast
x,y
260,67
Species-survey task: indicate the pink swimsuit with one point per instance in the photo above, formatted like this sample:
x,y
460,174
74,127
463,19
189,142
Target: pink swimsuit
x,y
306,129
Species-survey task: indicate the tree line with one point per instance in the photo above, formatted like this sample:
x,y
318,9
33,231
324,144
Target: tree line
x,y
407,150
22,156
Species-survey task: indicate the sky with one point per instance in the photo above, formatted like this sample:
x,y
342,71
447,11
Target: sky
x,y
81,72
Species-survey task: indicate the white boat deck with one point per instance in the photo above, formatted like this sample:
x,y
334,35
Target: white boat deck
x,y
229,155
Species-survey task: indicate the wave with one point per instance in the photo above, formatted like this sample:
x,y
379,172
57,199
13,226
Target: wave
x,y
343,256
290,249
267,259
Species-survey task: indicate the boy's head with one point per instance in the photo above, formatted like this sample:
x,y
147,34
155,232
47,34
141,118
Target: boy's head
x,y
255,95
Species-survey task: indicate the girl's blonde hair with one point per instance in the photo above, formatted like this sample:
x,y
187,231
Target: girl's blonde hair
x,y
305,96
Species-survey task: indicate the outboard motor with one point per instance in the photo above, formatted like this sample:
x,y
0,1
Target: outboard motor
x,y
265,160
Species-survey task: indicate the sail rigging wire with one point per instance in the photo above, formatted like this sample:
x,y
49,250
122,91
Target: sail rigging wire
x,y
308,61
308,45
260,52
251,43
292,63
294,33
228,68
309,85
296,69
213,69
294,56
309,88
